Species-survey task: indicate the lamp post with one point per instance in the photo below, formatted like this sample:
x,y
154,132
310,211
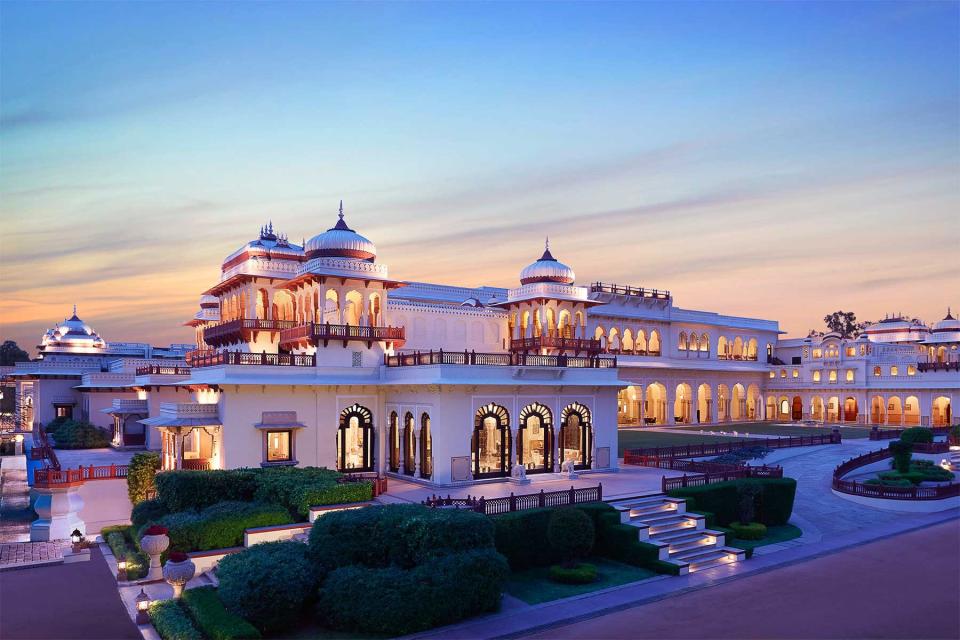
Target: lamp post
x,y
121,570
143,606
77,539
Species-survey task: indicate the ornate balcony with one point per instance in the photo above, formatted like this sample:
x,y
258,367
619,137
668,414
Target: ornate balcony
x,y
255,359
576,345
633,292
163,370
244,330
497,359
315,334
939,366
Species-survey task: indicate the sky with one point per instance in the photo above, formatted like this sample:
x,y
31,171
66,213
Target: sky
x,y
775,160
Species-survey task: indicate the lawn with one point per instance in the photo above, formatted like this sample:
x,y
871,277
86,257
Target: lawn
x,y
632,439
780,533
534,586
771,429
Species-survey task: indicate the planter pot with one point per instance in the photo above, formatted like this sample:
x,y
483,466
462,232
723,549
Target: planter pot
x,y
153,546
178,574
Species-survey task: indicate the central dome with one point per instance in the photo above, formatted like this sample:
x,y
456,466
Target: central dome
x,y
547,269
341,242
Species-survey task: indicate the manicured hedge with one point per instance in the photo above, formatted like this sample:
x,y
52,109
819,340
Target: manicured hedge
x,y
147,511
751,531
80,435
582,573
916,435
120,540
394,601
172,622
211,617
774,505
141,471
269,584
405,535
192,490
571,533
220,525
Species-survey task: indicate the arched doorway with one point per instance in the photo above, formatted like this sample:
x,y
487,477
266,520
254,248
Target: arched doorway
x,y
942,412
535,439
355,439
738,408
876,410
723,403
490,448
628,405
426,447
683,404
816,408
394,442
850,409
753,402
771,408
797,411
783,408
656,410
409,446
576,435
833,409
894,410
704,403
911,411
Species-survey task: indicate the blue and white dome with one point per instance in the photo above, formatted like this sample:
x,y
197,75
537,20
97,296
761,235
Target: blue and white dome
x,y
341,242
73,334
547,269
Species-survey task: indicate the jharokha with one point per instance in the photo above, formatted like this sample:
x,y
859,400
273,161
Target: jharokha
x,y
316,355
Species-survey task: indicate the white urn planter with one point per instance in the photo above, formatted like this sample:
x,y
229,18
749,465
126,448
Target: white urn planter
x,y
153,544
178,573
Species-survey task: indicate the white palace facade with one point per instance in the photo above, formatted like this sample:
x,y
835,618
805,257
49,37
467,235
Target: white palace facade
x,y
316,355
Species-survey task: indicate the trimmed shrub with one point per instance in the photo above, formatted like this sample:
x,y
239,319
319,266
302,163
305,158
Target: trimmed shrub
x,y
916,434
405,535
194,490
571,533
774,505
747,495
441,591
80,435
902,452
220,525
581,573
211,617
751,531
146,511
320,494
120,540
172,622
270,583
141,470
521,536
719,498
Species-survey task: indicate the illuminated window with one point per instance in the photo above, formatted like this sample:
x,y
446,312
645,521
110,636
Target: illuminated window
x,y
64,411
850,375
818,353
876,371
806,352
833,375
851,352
816,376
796,373
863,349
278,446
783,373
894,371
773,374
911,370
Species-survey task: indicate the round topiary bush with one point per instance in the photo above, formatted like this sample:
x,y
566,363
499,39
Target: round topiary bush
x,y
141,470
268,584
570,532
902,453
916,435
581,573
751,531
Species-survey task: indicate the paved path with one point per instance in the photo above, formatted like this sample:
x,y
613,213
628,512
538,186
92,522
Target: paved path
x,y
29,552
76,601
901,587
15,512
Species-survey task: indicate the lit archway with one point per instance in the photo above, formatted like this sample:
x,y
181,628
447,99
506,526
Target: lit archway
x,y
816,408
797,408
409,445
535,438
738,405
850,409
655,411
576,435
426,447
911,411
942,412
833,409
683,404
490,448
894,410
394,442
355,439
704,403
723,403
876,410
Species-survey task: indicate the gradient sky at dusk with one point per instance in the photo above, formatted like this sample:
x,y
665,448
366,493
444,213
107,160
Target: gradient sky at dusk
x,y
763,159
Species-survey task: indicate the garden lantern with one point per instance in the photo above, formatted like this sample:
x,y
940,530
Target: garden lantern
x,y
76,538
121,570
143,605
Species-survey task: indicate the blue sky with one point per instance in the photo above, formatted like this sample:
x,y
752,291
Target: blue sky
x,y
781,160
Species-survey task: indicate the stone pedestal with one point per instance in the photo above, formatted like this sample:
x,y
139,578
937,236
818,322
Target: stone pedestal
x,y
59,513
178,574
153,546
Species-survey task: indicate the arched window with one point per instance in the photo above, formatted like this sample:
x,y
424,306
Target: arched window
x,y
426,447
576,435
876,371
355,439
640,346
654,342
682,342
409,450
490,448
535,439
705,342
394,440
722,346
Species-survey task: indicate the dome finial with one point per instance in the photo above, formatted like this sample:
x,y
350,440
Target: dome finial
x,y
546,244
341,208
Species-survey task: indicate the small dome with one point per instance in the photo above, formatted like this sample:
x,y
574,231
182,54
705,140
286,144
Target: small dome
x,y
547,269
72,333
341,242
947,325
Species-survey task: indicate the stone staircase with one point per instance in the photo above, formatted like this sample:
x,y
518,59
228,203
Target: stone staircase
x,y
955,457
681,537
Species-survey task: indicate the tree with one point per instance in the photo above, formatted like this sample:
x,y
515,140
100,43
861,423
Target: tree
x,y
10,352
845,323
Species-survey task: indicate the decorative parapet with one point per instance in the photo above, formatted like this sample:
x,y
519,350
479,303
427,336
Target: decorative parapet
x,y
548,290
343,267
275,268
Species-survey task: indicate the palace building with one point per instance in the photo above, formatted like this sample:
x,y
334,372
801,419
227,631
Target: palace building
x,y
317,355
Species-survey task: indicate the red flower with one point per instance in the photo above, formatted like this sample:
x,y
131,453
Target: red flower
x,y
177,556
156,530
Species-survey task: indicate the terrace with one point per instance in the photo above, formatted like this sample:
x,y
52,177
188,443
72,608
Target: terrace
x,y
254,359
577,345
626,290
316,334
242,330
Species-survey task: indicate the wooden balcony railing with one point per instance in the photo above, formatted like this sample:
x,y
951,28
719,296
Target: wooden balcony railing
x,y
577,345
163,370
632,352
196,464
315,333
497,359
242,330
255,359
49,477
621,290
939,366
730,356
701,479
506,504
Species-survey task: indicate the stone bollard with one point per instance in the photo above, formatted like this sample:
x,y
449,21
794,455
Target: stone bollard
x,y
155,542
58,511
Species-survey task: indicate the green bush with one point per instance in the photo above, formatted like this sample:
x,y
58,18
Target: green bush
x,y
141,470
888,483
571,533
581,573
321,494
774,505
220,525
270,583
441,591
751,531
80,435
902,453
120,540
521,536
194,490
172,622
146,511
405,535
916,435
212,618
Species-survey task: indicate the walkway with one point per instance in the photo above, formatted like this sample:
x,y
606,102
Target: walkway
x,y
845,595
77,601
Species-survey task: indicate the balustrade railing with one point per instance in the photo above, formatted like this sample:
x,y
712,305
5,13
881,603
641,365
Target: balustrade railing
x,y
623,290
195,464
506,504
517,359
317,332
857,488
163,370
233,329
589,345
52,477
939,366
701,479
255,359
